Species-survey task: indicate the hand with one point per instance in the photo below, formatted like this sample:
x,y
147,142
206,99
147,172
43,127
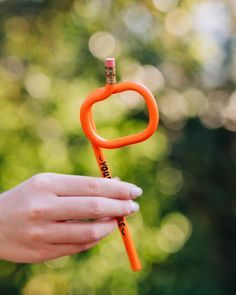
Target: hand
x,y
42,218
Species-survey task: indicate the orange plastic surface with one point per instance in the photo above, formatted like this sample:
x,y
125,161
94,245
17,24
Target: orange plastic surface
x,y
99,142
100,94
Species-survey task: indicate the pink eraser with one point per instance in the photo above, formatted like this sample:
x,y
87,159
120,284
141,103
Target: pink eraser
x,y
110,62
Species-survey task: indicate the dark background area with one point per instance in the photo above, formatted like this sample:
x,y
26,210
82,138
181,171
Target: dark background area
x,y
51,58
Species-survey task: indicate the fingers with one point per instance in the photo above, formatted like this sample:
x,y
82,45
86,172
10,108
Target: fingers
x,y
70,208
79,232
59,250
69,185
117,178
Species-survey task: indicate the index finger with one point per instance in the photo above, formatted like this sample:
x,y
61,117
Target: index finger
x,y
69,185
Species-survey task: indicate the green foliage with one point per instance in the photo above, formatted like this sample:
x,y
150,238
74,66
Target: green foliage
x,y
51,55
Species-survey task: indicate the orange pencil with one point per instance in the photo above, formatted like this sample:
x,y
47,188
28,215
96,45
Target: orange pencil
x,y
99,142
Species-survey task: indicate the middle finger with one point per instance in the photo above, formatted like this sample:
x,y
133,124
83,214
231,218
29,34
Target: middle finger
x,y
69,208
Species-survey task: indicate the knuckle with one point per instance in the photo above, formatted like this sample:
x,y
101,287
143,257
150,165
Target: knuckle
x,y
95,208
39,256
124,191
35,235
36,257
94,186
42,254
93,234
37,212
126,210
41,181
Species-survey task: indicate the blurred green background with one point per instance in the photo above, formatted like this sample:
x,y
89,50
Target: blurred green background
x,y
51,58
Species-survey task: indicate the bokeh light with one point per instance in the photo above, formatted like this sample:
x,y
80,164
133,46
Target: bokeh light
x,y
51,57
229,113
165,5
38,85
137,18
178,23
169,180
102,44
175,231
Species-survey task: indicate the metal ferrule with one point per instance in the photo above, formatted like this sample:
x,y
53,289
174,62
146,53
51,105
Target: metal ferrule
x,y
110,74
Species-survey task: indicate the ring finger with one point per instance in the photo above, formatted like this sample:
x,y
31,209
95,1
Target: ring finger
x,y
79,232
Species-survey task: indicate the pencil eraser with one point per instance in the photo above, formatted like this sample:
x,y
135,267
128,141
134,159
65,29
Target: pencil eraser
x,y
110,62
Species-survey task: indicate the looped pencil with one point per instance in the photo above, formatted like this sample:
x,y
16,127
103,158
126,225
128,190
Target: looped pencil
x,y
99,142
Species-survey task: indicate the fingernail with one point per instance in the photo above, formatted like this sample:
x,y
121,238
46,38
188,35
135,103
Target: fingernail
x,y
134,206
136,192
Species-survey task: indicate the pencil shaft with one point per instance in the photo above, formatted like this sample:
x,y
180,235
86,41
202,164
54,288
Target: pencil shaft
x,y
121,221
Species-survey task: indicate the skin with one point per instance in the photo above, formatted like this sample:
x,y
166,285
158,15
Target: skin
x,y
43,217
